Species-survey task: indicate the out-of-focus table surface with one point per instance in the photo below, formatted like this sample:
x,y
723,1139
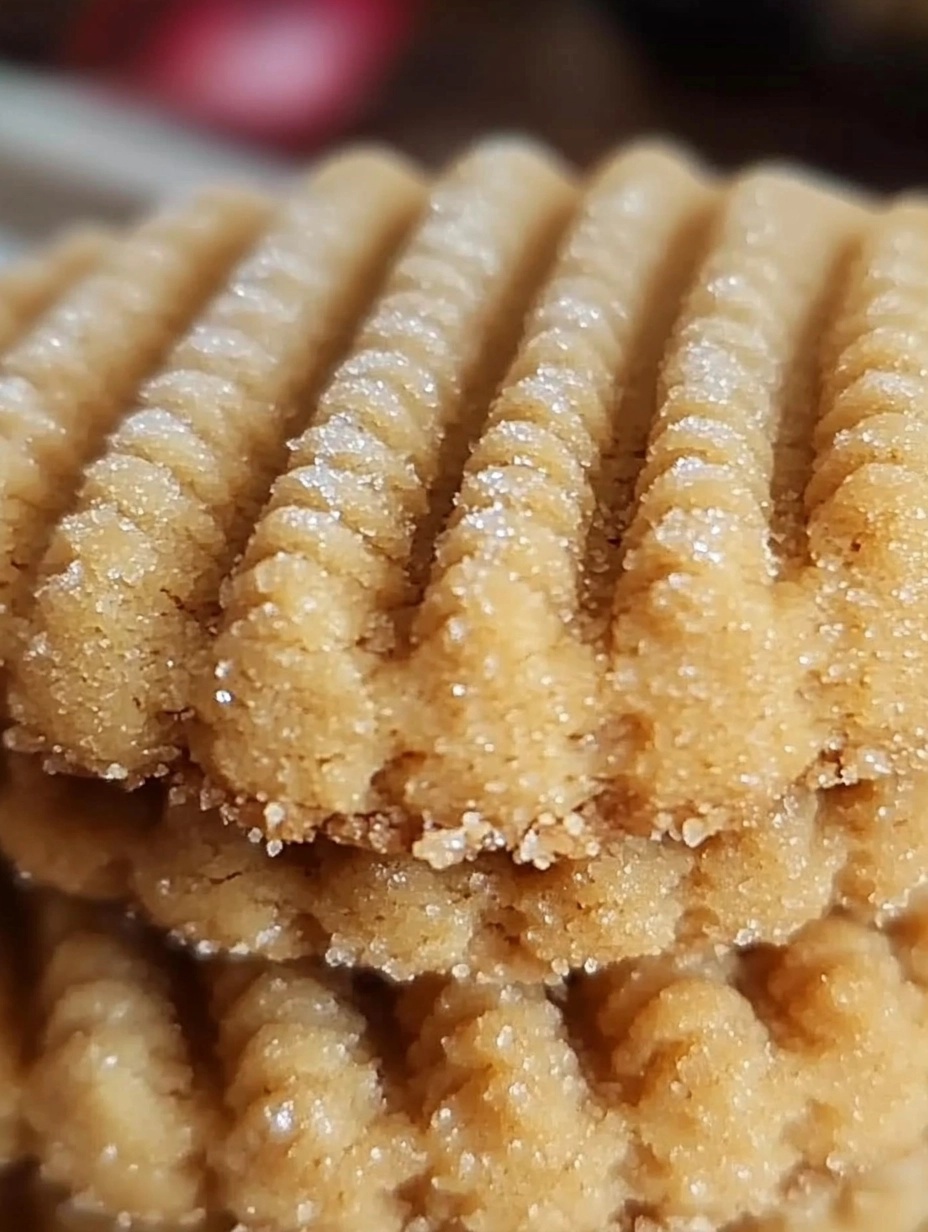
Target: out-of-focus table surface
x,y
70,151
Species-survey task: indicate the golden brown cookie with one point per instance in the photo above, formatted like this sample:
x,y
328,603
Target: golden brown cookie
x,y
45,1208
76,835
310,702
64,383
775,1090
760,582
861,849
111,1097
891,1199
131,578
602,516
30,285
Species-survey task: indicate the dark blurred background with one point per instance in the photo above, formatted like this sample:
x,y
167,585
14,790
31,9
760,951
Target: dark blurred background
x,y
840,83
261,84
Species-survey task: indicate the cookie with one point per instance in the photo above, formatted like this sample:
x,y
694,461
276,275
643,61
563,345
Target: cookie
x,y
601,517
755,627
356,212
43,1209
63,383
130,581
891,1198
28,1205
861,850
32,284
309,645
776,1089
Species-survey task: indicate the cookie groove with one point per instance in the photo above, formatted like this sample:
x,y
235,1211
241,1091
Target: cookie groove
x,y
516,550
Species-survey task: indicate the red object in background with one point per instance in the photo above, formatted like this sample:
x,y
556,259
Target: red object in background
x,y
293,72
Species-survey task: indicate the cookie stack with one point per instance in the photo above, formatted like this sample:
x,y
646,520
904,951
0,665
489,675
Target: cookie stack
x,y
465,650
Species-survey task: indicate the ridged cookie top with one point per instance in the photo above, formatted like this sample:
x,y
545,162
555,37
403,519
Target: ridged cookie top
x,y
305,702
63,383
602,512
701,1092
131,578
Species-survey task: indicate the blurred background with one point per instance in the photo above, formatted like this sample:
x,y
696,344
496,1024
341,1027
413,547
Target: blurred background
x,y
108,105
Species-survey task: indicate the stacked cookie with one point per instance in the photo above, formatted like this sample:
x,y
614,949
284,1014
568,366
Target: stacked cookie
x,y
464,650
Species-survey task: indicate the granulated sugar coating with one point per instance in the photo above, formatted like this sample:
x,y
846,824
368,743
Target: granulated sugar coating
x,y
41,1208
665,1094
313,613
64,382
891,1199
602,518
582,609
861,849
182,478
